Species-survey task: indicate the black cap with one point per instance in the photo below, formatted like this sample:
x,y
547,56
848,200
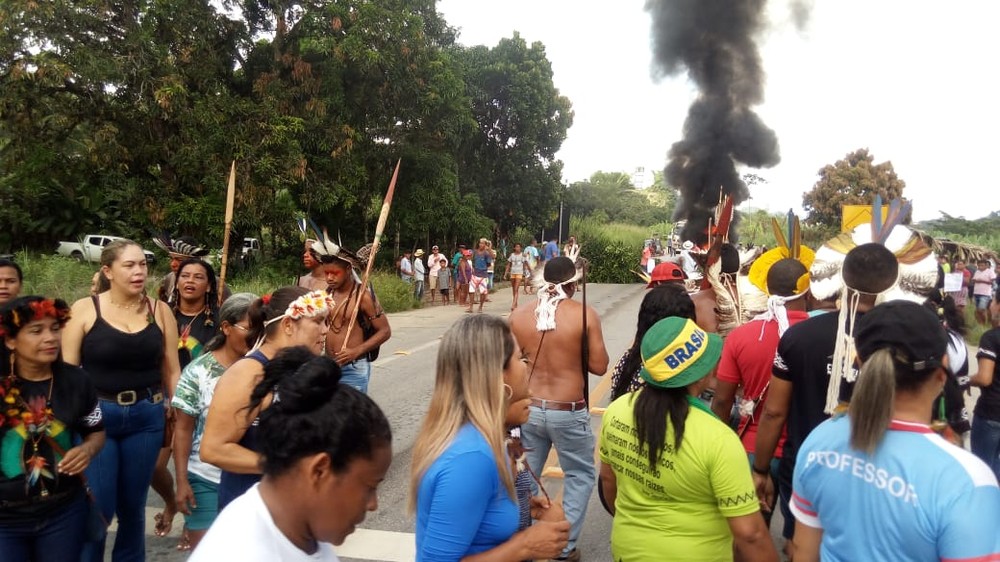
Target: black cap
x,y
906,327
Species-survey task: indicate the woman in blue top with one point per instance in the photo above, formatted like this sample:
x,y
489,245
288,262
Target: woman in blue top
x,y
292,316
461,481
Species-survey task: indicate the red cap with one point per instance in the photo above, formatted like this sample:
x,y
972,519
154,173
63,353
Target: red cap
x,y
665,272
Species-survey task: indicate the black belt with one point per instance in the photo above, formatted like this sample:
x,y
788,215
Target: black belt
x,y
37,499
128,397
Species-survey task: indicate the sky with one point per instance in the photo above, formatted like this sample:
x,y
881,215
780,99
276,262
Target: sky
x,y
913,81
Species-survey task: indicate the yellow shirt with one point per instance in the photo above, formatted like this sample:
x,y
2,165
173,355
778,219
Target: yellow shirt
x,y
678,511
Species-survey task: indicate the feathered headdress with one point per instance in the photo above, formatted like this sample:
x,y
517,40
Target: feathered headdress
x,y
182,248
790,247
324,250
551,292
917,276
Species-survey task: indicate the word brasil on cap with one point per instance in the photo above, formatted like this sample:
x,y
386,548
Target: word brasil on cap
x,y
689,350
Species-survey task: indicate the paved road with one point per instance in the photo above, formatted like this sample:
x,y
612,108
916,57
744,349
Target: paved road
x,y
402,381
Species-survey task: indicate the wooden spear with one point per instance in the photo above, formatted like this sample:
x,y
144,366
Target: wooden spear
x,y
230,203
379,228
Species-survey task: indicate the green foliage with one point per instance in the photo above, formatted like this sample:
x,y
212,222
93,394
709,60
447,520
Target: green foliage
x,y
124,117
68,279
612,249
854,180
55,276
611,197
394,294
983,232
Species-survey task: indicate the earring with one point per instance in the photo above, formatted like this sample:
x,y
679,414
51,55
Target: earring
x,y
506,388
12,363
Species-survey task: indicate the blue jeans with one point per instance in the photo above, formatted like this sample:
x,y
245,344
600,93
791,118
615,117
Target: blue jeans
x,y
357,374
985,442
418,289
120,475
573,439
56,538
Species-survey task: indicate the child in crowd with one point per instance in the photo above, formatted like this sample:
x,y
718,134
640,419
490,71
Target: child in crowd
x,y
465,272
444,279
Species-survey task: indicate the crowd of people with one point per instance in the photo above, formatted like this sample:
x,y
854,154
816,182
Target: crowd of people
x,y
849,421
469,274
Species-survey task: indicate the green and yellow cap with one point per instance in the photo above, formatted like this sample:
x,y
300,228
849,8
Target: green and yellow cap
x,y
676,352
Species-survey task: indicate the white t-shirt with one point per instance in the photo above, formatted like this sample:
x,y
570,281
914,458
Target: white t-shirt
x,y
246,532
434,262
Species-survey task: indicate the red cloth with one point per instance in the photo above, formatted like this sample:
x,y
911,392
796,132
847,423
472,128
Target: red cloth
x,y
746,361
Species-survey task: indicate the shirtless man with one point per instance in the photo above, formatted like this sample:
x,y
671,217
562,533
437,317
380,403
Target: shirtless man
x,y
559,413
341,284
315,280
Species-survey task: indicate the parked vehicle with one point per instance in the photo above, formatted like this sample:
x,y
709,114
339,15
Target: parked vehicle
x,y
251,248
89,248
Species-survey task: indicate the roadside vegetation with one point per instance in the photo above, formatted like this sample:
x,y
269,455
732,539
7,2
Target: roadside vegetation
x,y
69,279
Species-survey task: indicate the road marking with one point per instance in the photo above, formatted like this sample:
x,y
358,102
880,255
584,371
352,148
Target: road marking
x,y
421,347
363,544
387,546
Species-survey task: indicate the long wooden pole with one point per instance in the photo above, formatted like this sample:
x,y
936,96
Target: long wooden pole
x,y
379,228
230,203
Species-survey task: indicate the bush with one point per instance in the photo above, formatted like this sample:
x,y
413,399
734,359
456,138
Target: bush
x,y
393,293
55,276
613,250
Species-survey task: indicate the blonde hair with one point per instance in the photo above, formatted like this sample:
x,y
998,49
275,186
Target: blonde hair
x,y
872,401
468,389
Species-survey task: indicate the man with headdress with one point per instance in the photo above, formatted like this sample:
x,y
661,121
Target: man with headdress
x,y
814,367
179,249
371,327
554,335
748,352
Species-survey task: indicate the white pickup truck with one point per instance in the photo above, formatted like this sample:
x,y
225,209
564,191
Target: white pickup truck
x,y
90,246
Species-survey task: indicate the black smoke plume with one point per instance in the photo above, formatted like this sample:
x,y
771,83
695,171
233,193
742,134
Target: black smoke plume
x,y
713,40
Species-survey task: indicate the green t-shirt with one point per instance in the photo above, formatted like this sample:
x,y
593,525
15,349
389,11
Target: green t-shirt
x,y
679,511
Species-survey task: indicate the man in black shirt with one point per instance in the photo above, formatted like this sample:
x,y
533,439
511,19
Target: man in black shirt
x,y
802,368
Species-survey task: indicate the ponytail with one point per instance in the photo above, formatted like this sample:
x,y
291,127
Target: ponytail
x,y
872,401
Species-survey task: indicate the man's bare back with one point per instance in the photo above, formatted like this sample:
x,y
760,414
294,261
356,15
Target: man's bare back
x,y
556,366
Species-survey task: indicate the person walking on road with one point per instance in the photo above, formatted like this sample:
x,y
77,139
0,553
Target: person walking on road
x,y
127,343
515,271
289,317
564,343
326,448
50,429
198,482
878,484
462,480
674,475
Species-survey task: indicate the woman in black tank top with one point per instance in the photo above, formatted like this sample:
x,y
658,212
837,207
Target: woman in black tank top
x,y
128,345
292,316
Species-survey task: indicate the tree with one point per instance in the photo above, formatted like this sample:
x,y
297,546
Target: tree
x,y
855,180
522,121
610,196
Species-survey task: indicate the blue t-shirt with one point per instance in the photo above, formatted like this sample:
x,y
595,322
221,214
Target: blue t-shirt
x,y
551,251
918,499
481,262
462,506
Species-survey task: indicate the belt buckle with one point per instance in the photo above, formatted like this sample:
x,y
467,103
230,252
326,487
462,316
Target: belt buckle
x,y
123,401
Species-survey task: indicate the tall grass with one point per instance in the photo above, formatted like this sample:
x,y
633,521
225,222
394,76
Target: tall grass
x,y
68,279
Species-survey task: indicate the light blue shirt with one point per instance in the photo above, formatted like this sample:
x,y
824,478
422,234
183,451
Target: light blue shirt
x,y
919,498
